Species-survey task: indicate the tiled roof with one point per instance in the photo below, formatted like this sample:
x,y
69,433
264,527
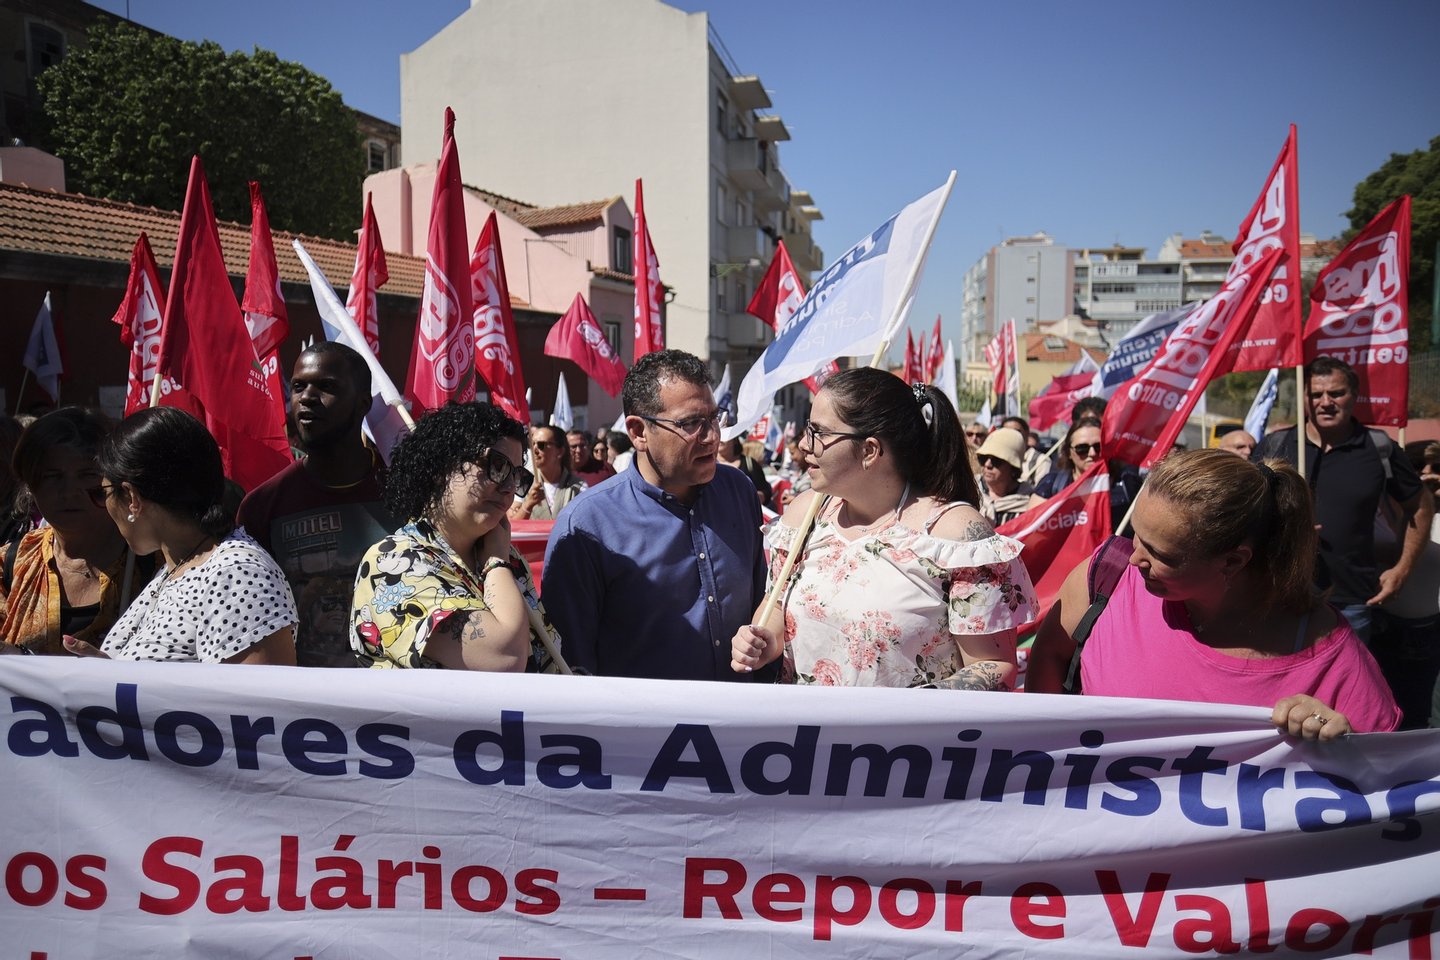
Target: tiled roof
x,y
73,225
541,218
1038,350
1200,250
608,274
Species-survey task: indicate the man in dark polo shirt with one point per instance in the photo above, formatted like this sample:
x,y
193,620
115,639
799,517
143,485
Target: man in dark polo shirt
x,y
318,516
1349,473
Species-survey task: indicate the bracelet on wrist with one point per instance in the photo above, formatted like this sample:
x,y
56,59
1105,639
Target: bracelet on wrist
x,y
496,563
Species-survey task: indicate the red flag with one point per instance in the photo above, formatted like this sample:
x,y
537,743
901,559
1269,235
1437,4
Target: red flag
x,y
649,325
817,381
265,315
497,352
1053,404
780,292
1147,413
1062,532
577,336
205,347
139,317
912,372
934,353
995,358
369,275
1359,314
442,361
1274,337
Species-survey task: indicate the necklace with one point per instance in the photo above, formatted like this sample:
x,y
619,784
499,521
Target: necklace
x,y
187,558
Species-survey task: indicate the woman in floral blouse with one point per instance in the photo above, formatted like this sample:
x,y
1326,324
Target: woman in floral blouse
x,y
901,583
447,589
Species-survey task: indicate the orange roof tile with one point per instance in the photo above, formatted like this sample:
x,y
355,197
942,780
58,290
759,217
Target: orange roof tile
x,y
541,218
1039,351
73,225
608,274
1200,250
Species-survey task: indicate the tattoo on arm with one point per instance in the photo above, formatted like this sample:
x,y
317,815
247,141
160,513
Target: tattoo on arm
x,y
472,630
984,675
977,530
461,627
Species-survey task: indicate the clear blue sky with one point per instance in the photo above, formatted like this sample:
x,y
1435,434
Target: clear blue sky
x,y
1127,121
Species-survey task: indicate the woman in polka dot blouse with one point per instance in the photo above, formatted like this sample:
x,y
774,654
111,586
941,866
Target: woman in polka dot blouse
x,y
219,598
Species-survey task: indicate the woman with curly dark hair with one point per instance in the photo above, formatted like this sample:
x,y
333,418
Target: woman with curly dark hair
x,y
447,589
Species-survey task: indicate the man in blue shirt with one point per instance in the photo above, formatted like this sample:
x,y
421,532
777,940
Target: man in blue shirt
x,y
650,573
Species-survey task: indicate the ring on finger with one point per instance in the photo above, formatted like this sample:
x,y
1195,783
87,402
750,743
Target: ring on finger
x,y
1322,720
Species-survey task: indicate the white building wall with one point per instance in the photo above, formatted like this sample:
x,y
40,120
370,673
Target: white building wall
x,y
563,101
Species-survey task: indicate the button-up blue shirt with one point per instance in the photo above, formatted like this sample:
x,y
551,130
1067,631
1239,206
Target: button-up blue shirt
x,y
641,585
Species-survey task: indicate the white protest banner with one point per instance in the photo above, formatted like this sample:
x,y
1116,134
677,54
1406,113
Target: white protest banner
x,y
162,810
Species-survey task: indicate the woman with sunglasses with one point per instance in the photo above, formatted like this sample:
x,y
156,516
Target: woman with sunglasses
x,y
901,583
447,589
67,577
220,597
1078,452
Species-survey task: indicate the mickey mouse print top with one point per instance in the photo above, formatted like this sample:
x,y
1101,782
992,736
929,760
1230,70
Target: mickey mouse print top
x,y
413,581
217,609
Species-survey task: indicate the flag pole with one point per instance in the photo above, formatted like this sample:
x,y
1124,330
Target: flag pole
x,y
20,394
902,309
1299,420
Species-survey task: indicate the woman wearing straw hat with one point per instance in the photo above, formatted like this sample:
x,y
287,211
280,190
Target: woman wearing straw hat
x,y
901,582
1002,457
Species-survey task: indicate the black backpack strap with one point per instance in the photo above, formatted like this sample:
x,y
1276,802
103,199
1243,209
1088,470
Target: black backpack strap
x,y
1105,571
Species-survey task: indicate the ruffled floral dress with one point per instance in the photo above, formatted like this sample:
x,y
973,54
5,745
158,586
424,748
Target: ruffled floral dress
x,y
883,610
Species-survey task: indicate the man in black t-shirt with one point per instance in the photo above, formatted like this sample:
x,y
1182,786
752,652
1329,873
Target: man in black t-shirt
x,y
1349,472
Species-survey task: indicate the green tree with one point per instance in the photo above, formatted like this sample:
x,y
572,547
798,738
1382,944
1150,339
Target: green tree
x,y
127,112
1417,174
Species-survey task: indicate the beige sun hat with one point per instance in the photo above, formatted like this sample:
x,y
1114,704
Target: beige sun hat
x,y
1005,443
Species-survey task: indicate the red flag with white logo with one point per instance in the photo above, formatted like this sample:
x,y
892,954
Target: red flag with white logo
x,y
577,336
934,353
777,297
442,361
1054,403
1145,416
369,275
139,317
995,359
265,315
1274,337
649,325
497,351
205,347
780,292
1011,357
1359,314
1062,533
912,372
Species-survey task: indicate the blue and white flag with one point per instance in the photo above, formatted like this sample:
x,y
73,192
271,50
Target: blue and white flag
x,y
563,416
855,305
384,424
725,397
1137,348
42,353
1259,413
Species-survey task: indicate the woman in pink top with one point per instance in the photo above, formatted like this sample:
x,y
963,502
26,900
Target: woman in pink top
x,y
1217,605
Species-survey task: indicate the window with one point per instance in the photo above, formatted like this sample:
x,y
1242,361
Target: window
x,y
722,107
47,48
722,203
612,335
720,286
377,155
622,255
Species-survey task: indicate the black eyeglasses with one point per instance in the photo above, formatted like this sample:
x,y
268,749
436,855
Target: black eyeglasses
x,y
689,427
500,471
98,495
815,436
1085,449
988,460
977,434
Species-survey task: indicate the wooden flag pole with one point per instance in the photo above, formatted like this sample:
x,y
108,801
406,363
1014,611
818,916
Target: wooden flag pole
x,y
902,309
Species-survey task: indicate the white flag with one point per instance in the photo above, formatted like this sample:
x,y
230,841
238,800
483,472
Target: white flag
x,y
1259,413
983,417
725,396
42,353
856,305
945,378
383,423
563,417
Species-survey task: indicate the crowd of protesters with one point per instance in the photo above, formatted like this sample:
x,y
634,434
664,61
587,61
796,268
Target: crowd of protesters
x,y
667,560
